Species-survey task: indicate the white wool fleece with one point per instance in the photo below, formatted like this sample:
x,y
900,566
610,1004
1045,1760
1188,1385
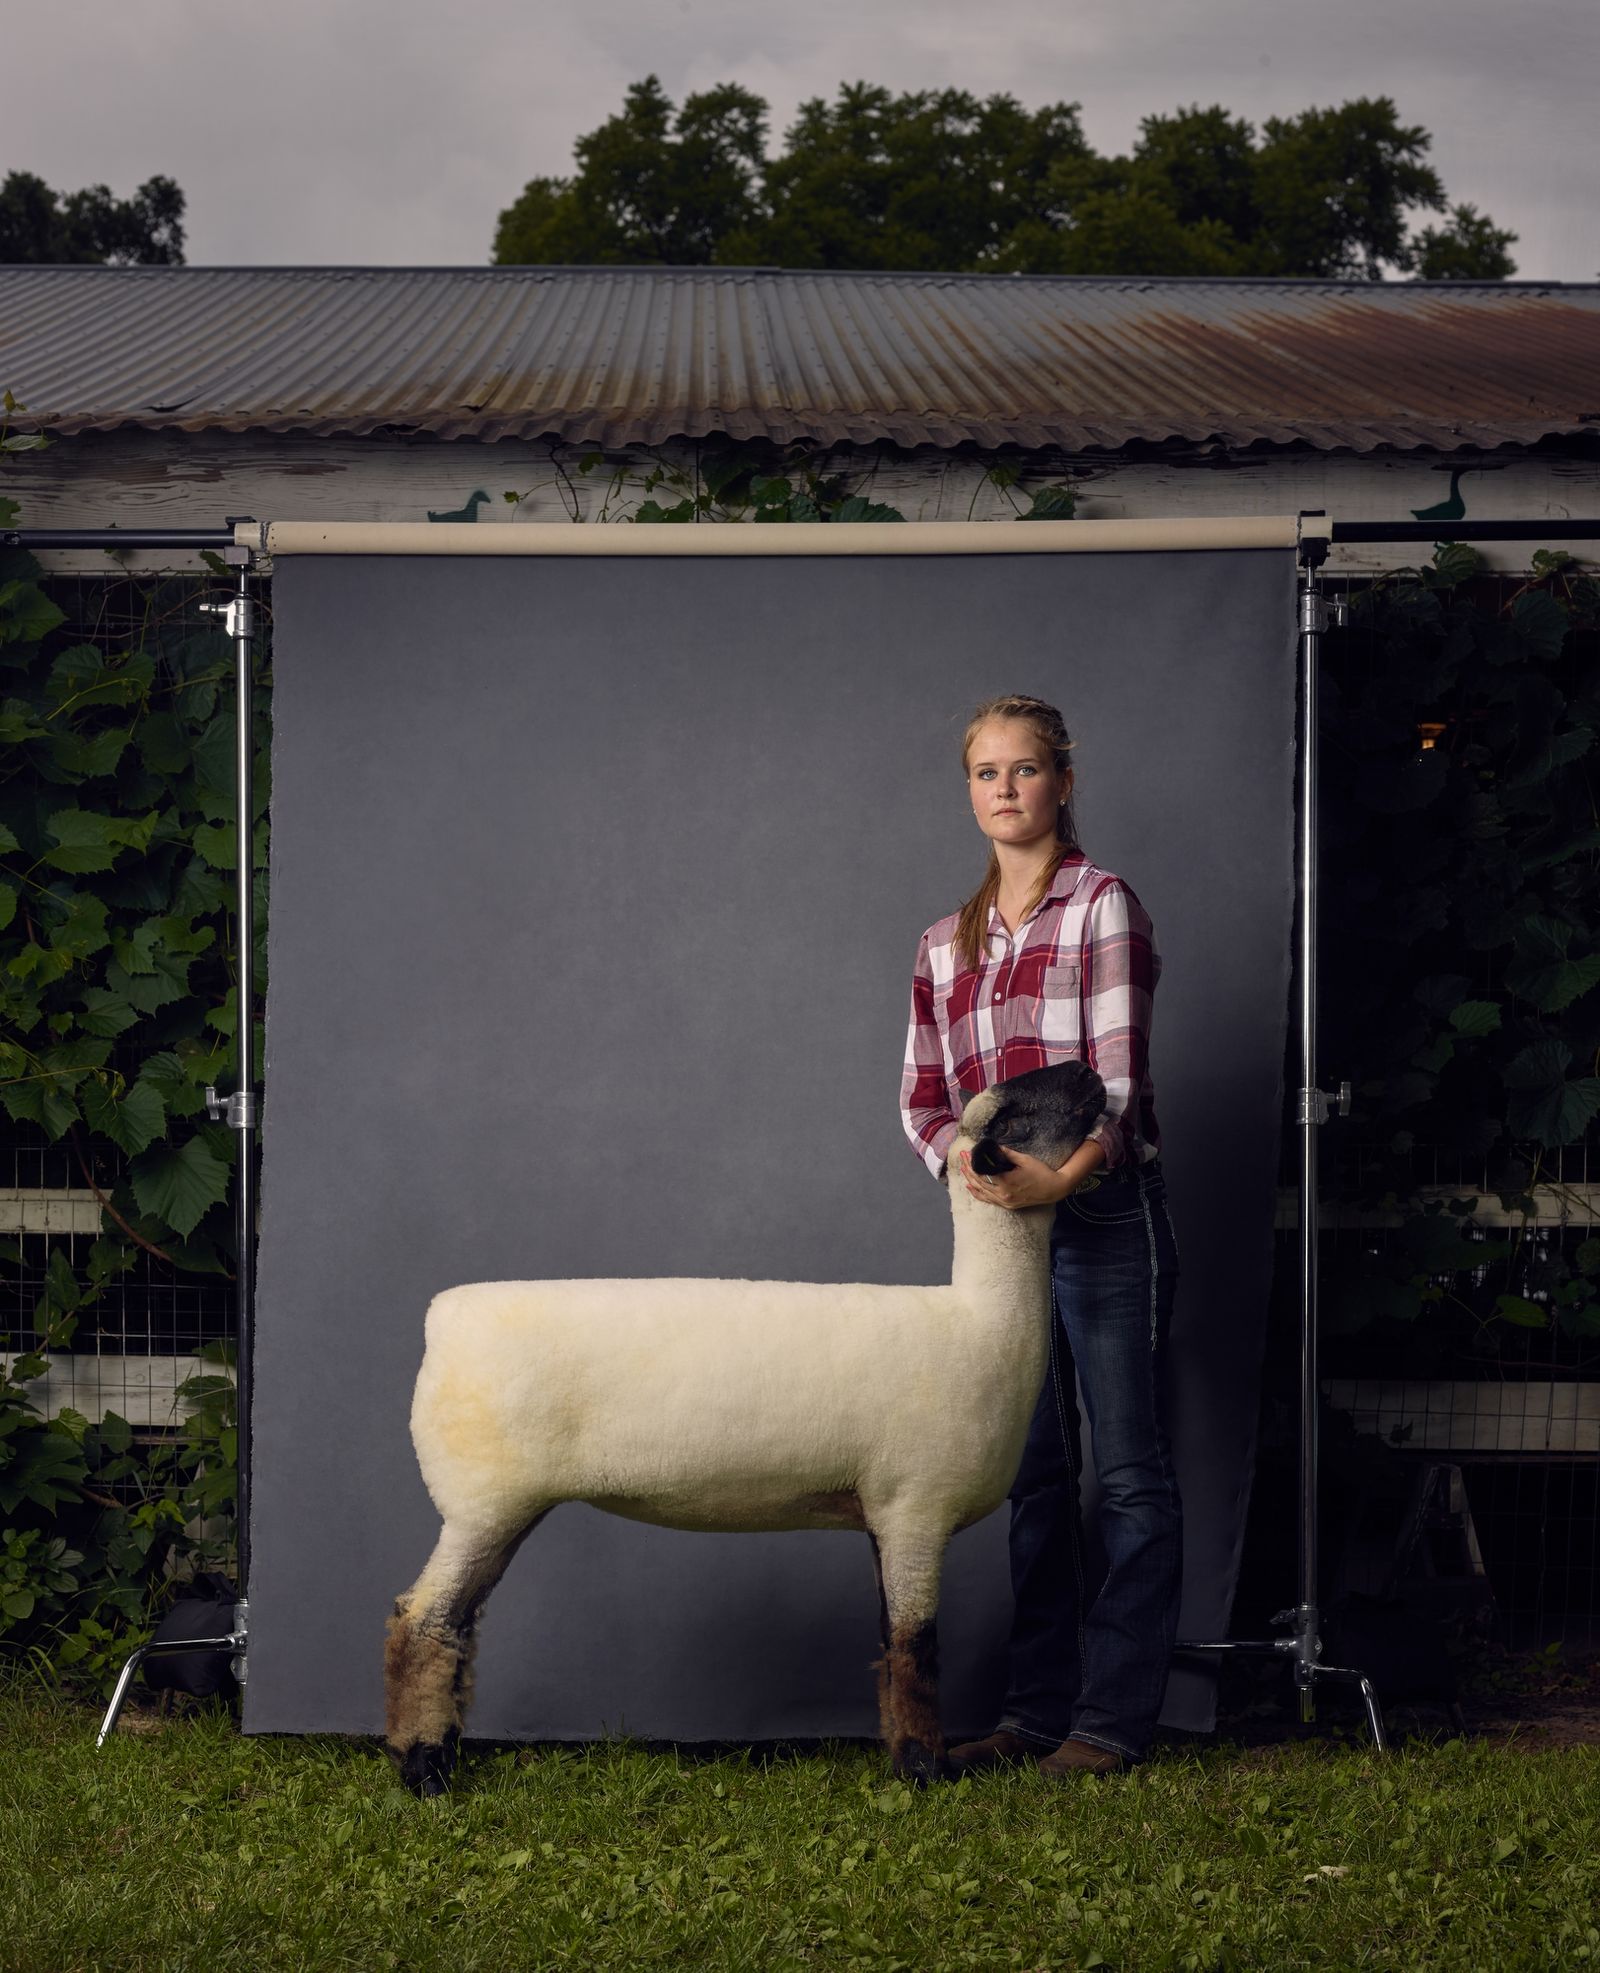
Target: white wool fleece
x,y
742,1404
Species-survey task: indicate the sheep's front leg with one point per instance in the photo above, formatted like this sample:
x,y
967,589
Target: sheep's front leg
x,y
910,1561
432,1639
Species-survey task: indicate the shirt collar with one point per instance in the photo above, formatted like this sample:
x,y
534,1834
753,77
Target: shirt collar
x,y
1069,872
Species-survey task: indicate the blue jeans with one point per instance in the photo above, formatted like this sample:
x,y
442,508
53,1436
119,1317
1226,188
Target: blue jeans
x,y
1098,1670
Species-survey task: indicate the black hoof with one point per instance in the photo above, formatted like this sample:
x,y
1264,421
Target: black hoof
x,y
426,1767
919,1765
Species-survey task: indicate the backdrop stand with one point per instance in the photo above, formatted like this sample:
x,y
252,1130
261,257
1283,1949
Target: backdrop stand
x,y
1304,1645
238,1111
242,539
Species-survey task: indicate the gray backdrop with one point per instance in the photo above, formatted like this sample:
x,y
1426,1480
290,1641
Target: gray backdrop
x,y
596,887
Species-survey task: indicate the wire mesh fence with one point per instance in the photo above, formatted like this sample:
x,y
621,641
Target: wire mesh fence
x,y
143,1333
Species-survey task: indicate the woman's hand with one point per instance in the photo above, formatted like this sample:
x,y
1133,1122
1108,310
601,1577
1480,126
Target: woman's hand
x,y
1029,1182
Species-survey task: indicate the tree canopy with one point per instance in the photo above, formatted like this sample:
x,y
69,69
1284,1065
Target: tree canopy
x,y
941,181
90,227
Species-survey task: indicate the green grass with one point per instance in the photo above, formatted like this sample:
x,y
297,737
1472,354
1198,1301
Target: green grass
x,y
191,1847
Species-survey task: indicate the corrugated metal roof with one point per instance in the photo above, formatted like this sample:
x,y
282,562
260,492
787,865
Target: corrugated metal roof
x,y
619,356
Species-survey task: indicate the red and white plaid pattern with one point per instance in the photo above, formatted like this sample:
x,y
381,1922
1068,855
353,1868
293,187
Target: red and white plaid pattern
x,y
1075,984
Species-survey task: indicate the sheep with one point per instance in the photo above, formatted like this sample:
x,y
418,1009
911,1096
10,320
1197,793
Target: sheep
x,y
740,1405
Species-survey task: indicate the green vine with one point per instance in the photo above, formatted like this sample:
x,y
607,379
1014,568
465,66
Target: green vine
x,y
724,482
117,850
117,1008
98,1526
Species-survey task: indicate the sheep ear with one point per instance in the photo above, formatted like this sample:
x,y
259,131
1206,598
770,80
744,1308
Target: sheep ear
x,y
977,1111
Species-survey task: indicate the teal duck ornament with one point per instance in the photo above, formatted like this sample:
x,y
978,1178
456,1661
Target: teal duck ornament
x,y
467,513
1453,508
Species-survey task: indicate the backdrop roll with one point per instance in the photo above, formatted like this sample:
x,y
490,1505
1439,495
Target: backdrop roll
x,y
595,890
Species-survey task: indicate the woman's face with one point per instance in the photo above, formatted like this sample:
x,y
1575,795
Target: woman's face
x,y
1013,783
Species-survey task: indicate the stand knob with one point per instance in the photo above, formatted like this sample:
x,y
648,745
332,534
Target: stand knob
x,y
239,616
238,1112
1317,1105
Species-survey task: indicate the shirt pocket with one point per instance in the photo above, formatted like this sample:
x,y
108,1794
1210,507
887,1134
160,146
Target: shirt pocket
x,y
1060,1007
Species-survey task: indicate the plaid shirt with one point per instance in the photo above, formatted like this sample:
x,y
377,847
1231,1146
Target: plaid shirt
x,y
1075,984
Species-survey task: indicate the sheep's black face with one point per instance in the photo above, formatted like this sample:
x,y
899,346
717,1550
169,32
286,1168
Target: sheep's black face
x,y
1045,1113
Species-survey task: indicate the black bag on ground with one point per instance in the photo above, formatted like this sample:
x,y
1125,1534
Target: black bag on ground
x,y
207,1611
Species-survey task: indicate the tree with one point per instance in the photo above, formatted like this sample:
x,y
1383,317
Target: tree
x,y
933,180
1470,248
939,180
90,227
1331,188
651,189
1324,194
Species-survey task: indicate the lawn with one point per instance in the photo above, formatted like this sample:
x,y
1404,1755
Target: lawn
x,y
183,1845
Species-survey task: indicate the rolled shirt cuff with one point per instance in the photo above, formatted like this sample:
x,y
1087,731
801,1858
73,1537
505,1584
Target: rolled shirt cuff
x,y
1107,1133
936,1153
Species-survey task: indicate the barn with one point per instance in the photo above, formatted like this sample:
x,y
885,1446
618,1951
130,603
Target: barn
x,y
512,394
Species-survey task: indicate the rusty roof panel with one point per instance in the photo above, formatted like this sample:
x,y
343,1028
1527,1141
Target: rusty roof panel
x,y
622,356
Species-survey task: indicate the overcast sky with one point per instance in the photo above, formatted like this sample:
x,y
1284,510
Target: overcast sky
x,y
392,132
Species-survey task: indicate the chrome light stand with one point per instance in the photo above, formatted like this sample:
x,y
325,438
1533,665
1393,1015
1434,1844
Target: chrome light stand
x,y
1304,1644
238,1111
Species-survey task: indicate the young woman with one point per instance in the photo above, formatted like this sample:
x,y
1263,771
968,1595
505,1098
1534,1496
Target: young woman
x,y
1053,959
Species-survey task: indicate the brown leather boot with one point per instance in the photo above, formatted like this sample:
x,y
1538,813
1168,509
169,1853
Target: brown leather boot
x,y
1001,1749
1082,1757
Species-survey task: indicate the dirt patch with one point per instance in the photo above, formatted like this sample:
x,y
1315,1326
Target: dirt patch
x,y
1547,1725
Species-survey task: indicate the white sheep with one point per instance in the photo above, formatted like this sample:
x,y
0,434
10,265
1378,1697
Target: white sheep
x,y
730,1405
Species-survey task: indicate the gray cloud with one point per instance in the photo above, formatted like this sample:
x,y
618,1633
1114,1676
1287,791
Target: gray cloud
x,y
393,131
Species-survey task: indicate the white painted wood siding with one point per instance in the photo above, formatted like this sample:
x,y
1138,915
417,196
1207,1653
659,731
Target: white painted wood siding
x,y
136,479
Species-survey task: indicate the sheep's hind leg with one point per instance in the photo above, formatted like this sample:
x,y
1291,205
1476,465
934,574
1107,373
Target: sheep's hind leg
x,y
432,1639
885,1703
910,1564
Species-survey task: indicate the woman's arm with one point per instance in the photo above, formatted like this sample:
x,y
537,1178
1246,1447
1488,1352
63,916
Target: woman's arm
x,y
925,1110
1118,981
